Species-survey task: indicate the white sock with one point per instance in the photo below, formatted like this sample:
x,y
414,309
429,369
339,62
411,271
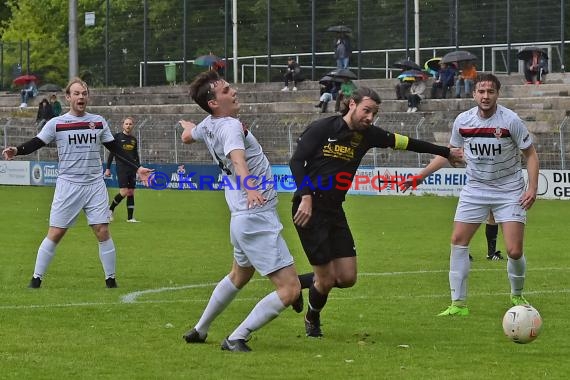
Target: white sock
x,y
265,311
516,269
108,257
459,265
46,252
221,297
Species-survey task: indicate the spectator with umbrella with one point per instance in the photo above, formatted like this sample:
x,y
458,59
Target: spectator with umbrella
x,y
417,89
329,91
29,91
342,46
535,64
466,78
402,88
444,80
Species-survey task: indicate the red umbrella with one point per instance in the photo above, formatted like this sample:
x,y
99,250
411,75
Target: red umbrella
x,y
23,79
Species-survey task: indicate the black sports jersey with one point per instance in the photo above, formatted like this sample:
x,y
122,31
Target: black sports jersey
x,y
328,150
129,145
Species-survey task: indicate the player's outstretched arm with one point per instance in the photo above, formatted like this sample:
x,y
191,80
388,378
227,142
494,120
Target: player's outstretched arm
x,y
186,136
28,147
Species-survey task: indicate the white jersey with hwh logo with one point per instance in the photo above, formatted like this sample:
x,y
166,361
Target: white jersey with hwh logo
x,y
78,140
492,150
223,135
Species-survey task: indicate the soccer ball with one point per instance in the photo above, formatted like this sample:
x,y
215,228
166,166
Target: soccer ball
x,y
522,324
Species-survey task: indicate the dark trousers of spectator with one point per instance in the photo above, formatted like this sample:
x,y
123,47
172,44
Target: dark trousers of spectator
x,y
402,90
290,76
414,100
444,90
529,74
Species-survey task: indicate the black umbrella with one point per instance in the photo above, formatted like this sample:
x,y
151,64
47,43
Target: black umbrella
x,y
339,29
342,73
526,53
457,56
328,78
49,87
406,64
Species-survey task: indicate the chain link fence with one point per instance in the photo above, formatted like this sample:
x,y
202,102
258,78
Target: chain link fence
x,y
159,140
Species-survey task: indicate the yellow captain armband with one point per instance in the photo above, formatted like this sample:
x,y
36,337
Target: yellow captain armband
x,y
401,142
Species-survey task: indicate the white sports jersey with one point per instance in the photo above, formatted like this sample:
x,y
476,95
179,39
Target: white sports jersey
x,y
78,140
223,135
492,149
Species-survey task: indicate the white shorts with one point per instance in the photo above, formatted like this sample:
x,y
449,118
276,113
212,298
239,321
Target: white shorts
x,y
70,198
470,210
257,242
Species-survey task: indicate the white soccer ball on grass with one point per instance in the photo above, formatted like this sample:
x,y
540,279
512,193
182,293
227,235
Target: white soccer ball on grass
x,y
522,324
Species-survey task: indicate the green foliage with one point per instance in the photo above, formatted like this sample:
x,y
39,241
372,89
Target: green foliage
x,y
383,327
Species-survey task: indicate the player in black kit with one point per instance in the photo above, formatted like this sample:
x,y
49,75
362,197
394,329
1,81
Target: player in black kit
x,y
125,174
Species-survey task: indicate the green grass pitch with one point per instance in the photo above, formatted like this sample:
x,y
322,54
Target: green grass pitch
x,y
384,327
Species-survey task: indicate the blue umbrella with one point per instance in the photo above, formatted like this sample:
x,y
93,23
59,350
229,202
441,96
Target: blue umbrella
x,y
206,60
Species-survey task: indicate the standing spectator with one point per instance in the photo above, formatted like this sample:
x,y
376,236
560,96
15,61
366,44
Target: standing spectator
x,y
126,174
255,229
416,94
292,73
45,113
466,77
55,105
492,137
80,186
28,92
342,51
536,65
330,149
444,80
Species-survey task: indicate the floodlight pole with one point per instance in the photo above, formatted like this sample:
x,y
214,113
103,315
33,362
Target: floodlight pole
x,y
73,60
235,39
417,30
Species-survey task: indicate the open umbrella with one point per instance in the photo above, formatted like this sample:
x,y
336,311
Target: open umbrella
x,y
432,64
406,64
526,53
413,74
328,78
50,87
339,29
458,56
342,73
206,60
23,79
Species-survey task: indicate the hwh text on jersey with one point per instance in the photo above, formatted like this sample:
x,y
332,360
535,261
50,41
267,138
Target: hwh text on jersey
x,y
485,149
79,138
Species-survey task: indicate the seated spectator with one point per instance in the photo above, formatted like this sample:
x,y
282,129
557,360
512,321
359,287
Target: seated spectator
x,y
466,77
45,113
292,73
416,94
537,66
347,87
329,91
402,88
28,92
444,80
55,105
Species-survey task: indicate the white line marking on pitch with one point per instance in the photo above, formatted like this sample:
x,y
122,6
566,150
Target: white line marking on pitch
x,y
131,298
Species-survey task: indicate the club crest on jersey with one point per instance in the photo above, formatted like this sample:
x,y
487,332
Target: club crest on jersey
x,y
498,133
92,125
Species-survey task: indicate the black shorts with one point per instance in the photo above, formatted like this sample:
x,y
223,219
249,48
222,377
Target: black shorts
x,y
327,236
127,178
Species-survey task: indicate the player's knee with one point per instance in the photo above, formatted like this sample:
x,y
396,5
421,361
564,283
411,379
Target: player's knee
x,y
346,281
289,293
515,255
130,192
